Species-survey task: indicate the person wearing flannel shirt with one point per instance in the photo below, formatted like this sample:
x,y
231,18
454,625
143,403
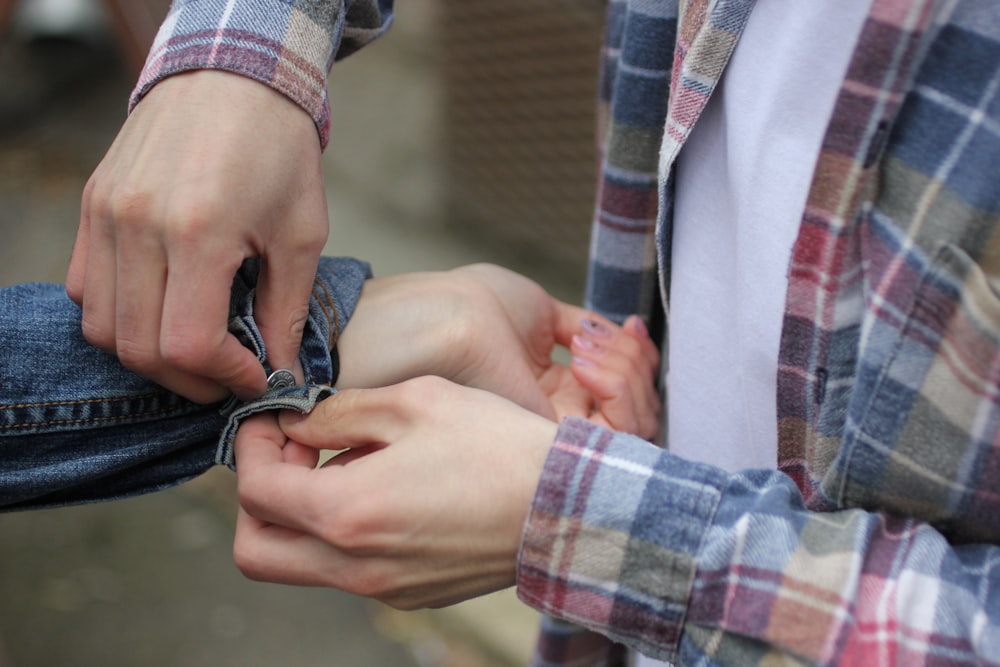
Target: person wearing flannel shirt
x,y
873,539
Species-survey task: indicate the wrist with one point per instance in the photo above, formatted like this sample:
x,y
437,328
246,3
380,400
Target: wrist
x,y
296,65
404,327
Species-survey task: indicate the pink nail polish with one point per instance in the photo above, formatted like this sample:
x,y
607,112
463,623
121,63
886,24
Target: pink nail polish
x,y
583,361
595,328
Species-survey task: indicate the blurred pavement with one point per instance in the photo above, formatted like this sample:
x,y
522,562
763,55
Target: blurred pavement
x,y
149,581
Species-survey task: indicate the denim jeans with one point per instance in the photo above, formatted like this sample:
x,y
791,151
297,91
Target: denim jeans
x,y
75,426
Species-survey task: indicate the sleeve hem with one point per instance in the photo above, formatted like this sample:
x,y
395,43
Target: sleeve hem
x,y
278,46
612,538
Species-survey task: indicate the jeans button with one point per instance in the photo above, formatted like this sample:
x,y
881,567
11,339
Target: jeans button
x,y
280,379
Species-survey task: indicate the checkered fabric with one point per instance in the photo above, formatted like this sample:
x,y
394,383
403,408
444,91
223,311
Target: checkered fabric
x,y
289,45
875,542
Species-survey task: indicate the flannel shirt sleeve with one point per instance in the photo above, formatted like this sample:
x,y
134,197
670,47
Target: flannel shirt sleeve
x,y
684,562
288,45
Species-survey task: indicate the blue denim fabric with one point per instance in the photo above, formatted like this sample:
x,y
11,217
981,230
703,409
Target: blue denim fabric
x,y
75,426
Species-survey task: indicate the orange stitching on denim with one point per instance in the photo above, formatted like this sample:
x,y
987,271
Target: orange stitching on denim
x,y
81,401
90,420
333,321
326,313
88,401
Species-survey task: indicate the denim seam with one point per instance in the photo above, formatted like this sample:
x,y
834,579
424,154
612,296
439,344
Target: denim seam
x,y
82,401
88,401
329,308
326,313
87,420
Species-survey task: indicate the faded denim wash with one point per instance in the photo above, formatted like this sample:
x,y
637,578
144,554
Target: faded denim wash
x,y
75,426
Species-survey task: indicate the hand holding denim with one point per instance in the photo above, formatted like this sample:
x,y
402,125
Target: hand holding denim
x,y
173,197
76,426
453,470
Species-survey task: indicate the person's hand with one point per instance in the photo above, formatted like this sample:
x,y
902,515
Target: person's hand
x,y
427,505
425,509
209,169
487,327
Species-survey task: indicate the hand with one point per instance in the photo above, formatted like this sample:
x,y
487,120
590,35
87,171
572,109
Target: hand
x,y
424,510
487,327
210,168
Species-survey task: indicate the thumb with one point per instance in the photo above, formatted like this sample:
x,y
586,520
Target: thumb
x,y
281,309
348,419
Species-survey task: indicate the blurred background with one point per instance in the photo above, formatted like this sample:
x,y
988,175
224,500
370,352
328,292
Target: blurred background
x,y
465,134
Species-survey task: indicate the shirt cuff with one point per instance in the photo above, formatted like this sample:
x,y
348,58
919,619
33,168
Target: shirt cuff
x,y
612,537
270,41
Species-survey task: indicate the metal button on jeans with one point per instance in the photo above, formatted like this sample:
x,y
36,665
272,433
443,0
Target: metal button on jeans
x,y
280,379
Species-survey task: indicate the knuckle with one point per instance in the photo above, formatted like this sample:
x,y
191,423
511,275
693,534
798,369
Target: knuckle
x,y
246,558
403,603
97,334
369,582
314,239
127,207
246,482
74,288
189,350
346,523
136,355
91,198
189,227
346,531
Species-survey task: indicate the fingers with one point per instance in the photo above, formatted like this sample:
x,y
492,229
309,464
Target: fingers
x,y
273,485
269,552
350,418
618,366
636,328
77,271
147,319
182,197
169,326
98,278
281,307
270,469
300,455
422,520
569,319
193,338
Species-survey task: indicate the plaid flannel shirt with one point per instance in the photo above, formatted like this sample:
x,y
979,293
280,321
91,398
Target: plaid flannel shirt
x,y
875,540
288,45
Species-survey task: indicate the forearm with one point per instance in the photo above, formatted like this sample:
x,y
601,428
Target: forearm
x,y
289,47
75,426
679,559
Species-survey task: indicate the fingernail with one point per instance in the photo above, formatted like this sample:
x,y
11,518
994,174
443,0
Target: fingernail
x,y
289,418
595,328
583,361
640,326
586,343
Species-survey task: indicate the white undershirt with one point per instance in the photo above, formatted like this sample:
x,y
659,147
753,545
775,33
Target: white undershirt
x,y
742,180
